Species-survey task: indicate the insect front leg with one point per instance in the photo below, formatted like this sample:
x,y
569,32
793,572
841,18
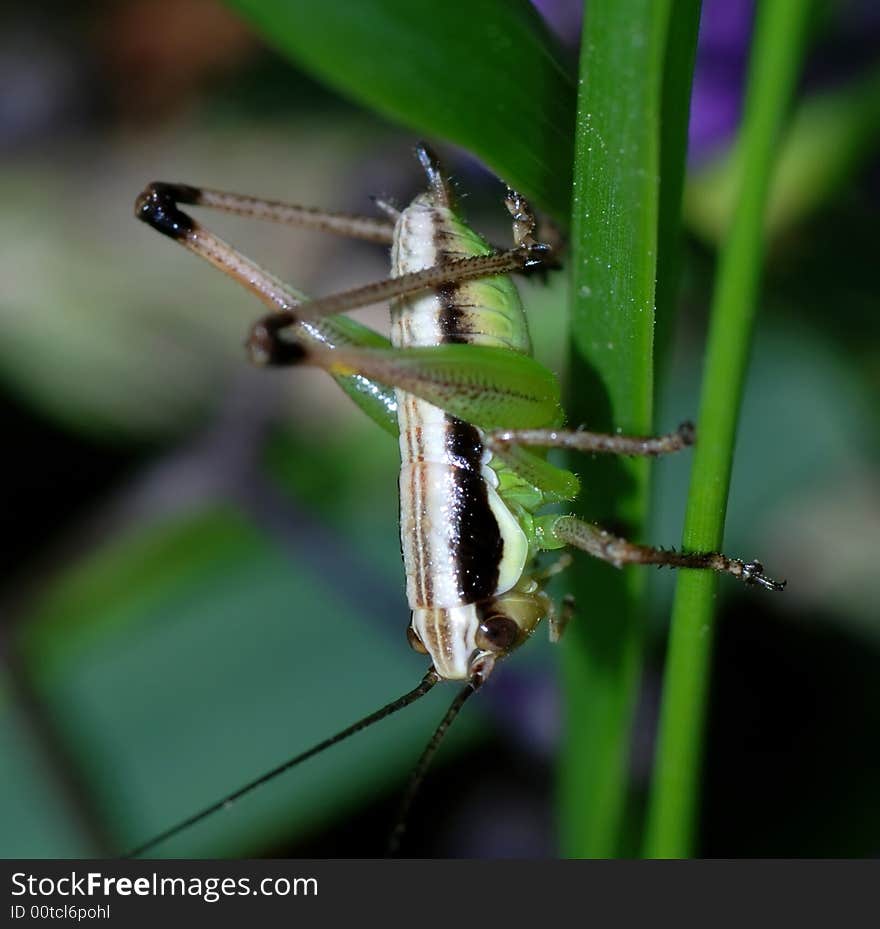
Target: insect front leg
x,y
598,542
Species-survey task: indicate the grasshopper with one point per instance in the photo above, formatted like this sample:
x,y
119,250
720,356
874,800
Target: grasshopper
x,y
473,411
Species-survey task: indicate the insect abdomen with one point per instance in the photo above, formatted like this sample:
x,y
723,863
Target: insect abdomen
x,y
460,544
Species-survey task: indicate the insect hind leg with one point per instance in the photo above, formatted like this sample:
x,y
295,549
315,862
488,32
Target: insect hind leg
x,y
159,205
604,545
267,332
349,225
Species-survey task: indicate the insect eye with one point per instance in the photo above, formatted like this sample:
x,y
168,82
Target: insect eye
x,y
497,633
415,643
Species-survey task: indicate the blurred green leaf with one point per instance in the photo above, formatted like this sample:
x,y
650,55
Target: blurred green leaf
x,y
485,74
177,664
802,483
831,136
120,334
36,819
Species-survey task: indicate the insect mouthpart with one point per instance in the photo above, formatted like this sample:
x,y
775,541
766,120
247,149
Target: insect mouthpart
x,y
464,641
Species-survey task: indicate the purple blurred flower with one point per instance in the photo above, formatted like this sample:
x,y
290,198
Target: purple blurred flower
x,y
563,17
848,45
719,75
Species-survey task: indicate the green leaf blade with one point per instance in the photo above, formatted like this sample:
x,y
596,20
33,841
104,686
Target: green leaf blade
x,y
614,263
485,74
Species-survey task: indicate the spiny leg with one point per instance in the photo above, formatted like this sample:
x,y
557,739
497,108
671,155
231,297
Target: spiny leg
x,y
503,441
602,544
168,197
521,258
156,207
527,255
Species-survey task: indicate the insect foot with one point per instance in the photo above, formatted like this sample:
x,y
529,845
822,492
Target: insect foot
x,y
536,256
753,573
524,221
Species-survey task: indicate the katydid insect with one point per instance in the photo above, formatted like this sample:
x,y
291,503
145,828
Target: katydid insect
x,y
473,411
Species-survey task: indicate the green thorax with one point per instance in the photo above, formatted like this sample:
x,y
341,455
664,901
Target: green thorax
x,y
487,311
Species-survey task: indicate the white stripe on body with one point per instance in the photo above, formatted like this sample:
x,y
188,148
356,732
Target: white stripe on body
x,y
427,471
444,620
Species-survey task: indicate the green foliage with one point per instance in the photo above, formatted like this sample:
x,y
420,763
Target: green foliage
x,y
780,34
615,243
830,136
485,74
190,652
184,655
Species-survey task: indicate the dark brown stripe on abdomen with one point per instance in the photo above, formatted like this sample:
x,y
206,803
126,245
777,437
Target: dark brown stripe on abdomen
x,y
475,535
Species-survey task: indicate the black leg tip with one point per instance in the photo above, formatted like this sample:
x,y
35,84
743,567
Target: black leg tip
x,y
157,206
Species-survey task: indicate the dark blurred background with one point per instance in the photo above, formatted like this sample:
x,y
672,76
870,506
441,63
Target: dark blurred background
x,y
202,569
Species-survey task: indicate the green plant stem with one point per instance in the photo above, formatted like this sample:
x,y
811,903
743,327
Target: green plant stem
x,y
614,249
778,44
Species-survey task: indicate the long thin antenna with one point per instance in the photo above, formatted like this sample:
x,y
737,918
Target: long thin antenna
x,y
418,774
427,682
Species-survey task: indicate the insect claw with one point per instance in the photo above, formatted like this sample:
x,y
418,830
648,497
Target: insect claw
x,y
753,573
536,256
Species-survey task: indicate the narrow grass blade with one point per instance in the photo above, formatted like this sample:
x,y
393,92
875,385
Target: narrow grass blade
x,y
614,267
778,44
